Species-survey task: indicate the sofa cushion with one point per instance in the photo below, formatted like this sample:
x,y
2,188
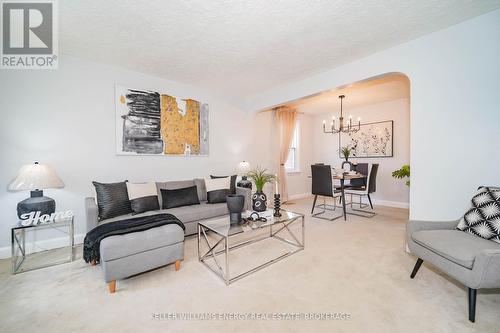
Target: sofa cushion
x,y
186,214
201,188
454,245
143,197
232,183
112,199
119,246
483,217
217,189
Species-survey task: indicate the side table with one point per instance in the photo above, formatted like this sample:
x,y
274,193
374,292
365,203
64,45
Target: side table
x,y
18,243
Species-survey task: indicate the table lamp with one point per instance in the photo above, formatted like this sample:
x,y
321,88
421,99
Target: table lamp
x,y
36,177
243,168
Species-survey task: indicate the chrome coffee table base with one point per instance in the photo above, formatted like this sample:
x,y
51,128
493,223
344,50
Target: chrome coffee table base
x,y
222,238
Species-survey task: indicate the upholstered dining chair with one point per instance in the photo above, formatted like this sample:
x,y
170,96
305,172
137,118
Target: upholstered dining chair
x,y
367,186
322,185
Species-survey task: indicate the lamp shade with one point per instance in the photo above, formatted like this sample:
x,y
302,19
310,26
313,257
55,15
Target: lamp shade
x,y
243,167
36,177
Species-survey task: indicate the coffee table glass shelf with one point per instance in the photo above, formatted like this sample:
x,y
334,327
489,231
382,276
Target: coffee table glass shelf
x,y
217,247
23,262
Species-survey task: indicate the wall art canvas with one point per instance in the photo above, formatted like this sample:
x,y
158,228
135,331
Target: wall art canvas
x,y
372,140
153,123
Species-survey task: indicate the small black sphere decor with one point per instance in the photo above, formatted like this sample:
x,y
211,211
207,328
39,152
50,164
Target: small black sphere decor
x,y
259,201
235,204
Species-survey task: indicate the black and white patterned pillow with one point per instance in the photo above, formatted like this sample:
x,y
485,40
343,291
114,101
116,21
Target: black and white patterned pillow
x,y
483,218
143,197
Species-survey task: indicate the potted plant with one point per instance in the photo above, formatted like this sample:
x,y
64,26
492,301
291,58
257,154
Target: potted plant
x,y
260,177
403,172
346,152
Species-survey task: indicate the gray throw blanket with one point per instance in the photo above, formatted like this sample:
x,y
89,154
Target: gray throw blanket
x,y
92,241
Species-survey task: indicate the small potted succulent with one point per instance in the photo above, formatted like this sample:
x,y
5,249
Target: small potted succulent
x,y
260,177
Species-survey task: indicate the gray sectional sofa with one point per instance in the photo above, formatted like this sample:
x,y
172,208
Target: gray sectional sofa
x,y
122,256
189,215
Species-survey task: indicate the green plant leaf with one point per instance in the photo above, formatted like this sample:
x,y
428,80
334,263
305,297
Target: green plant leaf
x,y
261,178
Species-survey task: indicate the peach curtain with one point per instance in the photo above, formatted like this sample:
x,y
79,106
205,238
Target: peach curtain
x,y
286,118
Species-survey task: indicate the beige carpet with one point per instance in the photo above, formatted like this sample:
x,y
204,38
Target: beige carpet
x,y
359,268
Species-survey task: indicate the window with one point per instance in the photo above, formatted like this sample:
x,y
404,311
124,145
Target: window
x,y
292,164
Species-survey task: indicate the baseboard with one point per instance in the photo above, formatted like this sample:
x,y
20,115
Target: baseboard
x,y
299,196
387,203
47,244
395,204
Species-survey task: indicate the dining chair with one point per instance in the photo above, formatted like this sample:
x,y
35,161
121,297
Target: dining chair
x,y
369,186
322,185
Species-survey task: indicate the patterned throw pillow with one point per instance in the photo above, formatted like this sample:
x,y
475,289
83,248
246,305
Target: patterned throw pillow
x,y
112,199
483,218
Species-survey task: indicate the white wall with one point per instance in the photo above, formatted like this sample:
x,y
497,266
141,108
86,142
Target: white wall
x,y
455,82
390,191
66,118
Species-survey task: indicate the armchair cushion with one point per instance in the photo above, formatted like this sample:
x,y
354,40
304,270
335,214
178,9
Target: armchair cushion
x,y
454,245
483,217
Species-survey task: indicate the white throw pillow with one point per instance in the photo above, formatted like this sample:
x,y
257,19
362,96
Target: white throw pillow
x,y
143,197
217,189
217,184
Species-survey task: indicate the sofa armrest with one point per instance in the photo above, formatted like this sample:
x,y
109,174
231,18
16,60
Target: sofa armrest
x,y
247,193
91,213
415,225
487,269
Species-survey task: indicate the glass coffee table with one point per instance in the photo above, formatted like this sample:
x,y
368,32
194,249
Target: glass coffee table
x,y
222,232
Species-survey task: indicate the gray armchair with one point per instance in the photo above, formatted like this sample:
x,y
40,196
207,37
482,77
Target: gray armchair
x,y
471,260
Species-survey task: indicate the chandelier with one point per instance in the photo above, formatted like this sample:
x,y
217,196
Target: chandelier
x,y
343,128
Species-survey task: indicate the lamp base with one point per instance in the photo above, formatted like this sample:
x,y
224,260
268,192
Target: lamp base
x,y
244,182
36,202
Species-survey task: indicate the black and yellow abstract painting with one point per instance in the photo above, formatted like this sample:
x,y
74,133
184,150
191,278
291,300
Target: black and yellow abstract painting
x,y
150,123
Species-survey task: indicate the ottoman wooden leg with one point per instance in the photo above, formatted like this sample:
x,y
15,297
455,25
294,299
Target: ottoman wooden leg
x,y
177,265
112,286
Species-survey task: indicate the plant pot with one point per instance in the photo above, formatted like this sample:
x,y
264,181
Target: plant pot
x,y
259,201
235,204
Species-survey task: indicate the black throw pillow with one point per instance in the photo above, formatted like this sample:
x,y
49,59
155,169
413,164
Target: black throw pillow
x,y
179,197
143,197
233,182
112,199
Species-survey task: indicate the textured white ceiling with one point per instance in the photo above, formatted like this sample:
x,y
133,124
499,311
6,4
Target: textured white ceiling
x,y
241,48
383,89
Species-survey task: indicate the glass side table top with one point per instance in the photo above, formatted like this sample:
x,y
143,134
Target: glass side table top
x,y
223,227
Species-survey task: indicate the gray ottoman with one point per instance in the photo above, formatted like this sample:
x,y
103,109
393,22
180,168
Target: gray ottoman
x,y
126,255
